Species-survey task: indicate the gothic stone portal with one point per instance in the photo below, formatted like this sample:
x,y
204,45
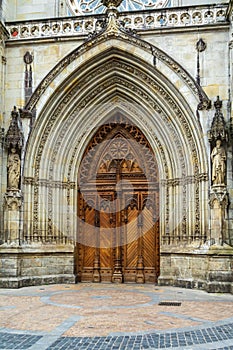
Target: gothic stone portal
x,y
118,207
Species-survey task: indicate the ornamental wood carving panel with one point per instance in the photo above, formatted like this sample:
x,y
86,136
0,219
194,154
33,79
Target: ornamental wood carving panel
x,y
118,238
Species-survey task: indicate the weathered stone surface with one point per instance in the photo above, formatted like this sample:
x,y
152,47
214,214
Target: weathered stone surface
x,y
160,82
212,273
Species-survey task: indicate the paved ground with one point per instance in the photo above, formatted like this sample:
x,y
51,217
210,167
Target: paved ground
x,y
110,316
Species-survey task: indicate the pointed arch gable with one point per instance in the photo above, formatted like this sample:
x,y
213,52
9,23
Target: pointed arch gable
x,y
127,44
109,75
82,99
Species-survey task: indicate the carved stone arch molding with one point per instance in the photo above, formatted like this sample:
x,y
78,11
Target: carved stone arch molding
x,y
131,45
85,97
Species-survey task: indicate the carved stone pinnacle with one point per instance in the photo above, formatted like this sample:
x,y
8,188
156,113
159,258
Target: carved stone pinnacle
x,y
111,3
218,128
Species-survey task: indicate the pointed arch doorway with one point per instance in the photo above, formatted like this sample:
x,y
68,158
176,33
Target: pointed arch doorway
x,y
118,207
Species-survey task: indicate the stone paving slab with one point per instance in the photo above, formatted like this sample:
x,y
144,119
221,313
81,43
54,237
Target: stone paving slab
x,y
17,341
148,341
107,316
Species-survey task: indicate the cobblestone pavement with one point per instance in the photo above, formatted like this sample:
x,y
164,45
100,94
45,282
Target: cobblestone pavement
x,y
114,316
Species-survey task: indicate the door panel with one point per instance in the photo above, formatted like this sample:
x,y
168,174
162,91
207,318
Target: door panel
x,y
86,253
132,238
148,238
118,237
106,254
149,245
131,247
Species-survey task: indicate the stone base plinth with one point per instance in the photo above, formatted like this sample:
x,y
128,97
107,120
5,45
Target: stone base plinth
x,y
27,281
30,266
207,269
182,283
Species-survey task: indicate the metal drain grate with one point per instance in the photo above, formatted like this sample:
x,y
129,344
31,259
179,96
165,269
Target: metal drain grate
x,y
170,303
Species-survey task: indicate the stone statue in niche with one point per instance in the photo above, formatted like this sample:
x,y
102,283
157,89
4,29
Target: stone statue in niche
x,y
13,166
218,157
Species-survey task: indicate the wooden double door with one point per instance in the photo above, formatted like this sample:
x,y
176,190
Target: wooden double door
x,y
118,211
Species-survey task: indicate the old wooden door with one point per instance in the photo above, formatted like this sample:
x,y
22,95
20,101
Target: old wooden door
x,y
118,208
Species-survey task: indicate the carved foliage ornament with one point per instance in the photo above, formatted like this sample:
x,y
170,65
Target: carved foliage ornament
x,y
124,136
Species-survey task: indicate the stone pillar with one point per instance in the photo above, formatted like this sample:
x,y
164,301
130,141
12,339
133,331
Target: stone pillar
x,y
219,198
12,205
218,214
13,198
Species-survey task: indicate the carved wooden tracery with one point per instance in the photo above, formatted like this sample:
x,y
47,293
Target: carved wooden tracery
x,y
118,129
118,238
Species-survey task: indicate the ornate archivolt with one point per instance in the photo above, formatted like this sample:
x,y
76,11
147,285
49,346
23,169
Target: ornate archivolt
x,y
86,96
154,93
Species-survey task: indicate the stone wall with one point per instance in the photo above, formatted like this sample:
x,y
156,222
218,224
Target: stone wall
x,y
79,87
180,45
211,270
22,10
21,267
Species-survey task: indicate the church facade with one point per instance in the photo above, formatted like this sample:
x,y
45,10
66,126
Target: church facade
x,y
116,143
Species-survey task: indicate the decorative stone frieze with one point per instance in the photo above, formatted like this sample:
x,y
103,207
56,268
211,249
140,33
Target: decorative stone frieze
x,y
83,25
49,183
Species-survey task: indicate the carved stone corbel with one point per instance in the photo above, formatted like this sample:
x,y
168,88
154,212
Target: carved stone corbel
x,y
13,200
219,194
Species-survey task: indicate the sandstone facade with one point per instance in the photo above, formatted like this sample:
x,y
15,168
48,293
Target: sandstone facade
x,y
169,72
